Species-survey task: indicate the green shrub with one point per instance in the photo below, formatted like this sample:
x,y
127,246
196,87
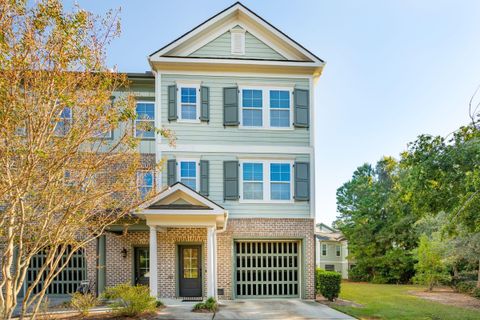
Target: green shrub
x,y
83,302
476,293
465,287
209,305
131,300
328,283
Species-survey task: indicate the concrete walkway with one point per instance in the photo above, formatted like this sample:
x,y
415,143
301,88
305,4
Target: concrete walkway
x,y
254,309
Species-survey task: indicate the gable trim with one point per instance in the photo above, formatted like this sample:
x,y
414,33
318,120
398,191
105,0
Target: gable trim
x,y
316,60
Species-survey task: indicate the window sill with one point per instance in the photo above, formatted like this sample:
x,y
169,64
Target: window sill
x,y
188,121
266,201
266,128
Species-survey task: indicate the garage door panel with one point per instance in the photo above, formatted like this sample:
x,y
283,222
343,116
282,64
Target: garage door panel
x,y
267,269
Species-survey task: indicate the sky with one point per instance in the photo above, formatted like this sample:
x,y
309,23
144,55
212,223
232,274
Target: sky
x,y
394,69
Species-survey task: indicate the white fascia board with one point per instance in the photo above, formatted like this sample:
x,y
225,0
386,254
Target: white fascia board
x,y
235,149
174,212
280,63
239,74
193,33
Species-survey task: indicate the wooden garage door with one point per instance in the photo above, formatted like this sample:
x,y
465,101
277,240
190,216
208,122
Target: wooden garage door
x,y
267,269
68,279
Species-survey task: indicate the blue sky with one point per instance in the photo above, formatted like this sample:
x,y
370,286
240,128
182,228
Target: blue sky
x,y
395,69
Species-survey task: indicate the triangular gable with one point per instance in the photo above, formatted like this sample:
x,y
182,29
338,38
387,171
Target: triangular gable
x,y
213,29
254,49
179,197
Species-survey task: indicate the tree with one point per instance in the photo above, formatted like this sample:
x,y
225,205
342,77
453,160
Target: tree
x,y
430,268
61,186
375,223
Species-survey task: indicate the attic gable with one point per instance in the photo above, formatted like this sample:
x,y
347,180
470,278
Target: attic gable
x,y
211,40
221,48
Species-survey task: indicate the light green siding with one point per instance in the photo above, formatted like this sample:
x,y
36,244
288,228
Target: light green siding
x,y
236,209
221,48
214,132
331,253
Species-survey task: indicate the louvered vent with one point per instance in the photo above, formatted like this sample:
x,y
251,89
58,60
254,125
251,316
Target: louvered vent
x,y
238,41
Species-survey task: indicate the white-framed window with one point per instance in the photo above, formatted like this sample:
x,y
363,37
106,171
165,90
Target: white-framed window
x,y
324,249
252,181
145,121
188,173
65,123
252,108
280,108
145,181
266,108
266,181
338,251
189,103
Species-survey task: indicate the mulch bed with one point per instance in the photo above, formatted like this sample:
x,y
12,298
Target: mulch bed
x,y
338,302
449,297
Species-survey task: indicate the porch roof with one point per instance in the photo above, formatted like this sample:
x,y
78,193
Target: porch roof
x,y
180,206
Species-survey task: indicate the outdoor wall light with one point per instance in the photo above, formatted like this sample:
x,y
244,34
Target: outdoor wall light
x,y
124,252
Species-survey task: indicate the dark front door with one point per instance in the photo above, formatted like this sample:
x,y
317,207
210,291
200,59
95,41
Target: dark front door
x,y
142,265
190,270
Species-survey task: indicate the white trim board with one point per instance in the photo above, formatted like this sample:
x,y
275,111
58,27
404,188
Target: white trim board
x,y
206,148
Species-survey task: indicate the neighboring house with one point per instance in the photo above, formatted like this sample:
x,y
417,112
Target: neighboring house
x,y
234,212
331,250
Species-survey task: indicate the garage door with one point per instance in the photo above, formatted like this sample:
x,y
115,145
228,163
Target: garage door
x,y
267,269
67,281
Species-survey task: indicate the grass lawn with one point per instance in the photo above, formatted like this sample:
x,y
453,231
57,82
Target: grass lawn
x,y
383,301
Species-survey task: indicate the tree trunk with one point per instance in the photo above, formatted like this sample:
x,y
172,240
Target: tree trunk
x,y
478,281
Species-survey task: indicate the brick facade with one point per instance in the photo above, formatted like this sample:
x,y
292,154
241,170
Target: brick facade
x,y
257,228
120,269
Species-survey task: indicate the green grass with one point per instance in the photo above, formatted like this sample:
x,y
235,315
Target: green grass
x,y
383,301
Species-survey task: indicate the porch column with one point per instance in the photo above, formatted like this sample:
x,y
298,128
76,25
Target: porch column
x,y
211,263
153,283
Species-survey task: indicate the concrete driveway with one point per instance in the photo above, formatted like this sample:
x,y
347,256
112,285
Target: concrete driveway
x,y
261,309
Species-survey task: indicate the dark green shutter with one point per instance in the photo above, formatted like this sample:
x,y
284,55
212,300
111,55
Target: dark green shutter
x,y
171,171
172,103
204,173
230,106
302,181
204,104
230,180
301,113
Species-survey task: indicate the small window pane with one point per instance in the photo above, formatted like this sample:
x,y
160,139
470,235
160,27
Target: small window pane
x,y
189,95
279,118
252,118
280,191
253,181
188,174
280,172
189,112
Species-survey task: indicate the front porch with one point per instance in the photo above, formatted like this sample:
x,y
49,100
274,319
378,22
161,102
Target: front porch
x,y
182,243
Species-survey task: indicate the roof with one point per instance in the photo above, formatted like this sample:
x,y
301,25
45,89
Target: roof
x,y
180,49
330,234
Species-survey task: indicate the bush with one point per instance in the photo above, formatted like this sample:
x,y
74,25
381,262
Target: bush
x,y
465,287
209,305
328,283
83,302
131,300
476,293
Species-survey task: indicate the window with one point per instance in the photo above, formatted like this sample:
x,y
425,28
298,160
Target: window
x,y
188,106
145,122
64,124
279,108
188,173
338,251
324,249
103,134
266,108
253,181
266,181
329,267
252,113
280,181
145,182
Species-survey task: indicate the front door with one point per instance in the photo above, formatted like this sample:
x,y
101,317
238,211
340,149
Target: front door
x,y
142,265
190,270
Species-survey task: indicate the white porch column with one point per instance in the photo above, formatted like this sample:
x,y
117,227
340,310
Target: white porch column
x,y
211,263
153,283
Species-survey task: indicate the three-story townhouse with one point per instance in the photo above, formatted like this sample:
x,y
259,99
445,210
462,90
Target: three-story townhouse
x,y
233,216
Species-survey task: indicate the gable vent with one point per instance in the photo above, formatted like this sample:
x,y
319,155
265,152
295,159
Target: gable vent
x,y
238,41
